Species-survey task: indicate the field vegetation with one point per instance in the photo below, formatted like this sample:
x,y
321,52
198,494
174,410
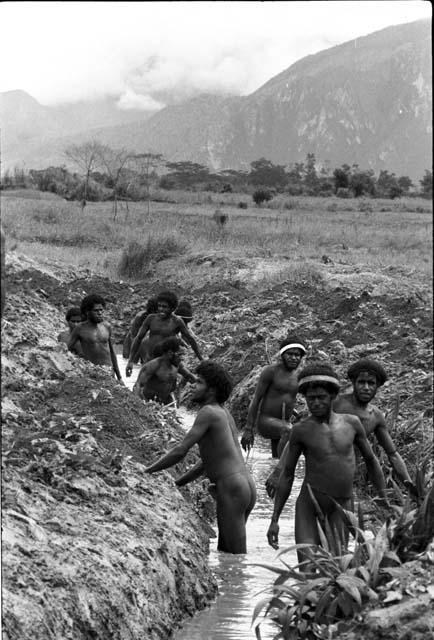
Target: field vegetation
x,y
377,233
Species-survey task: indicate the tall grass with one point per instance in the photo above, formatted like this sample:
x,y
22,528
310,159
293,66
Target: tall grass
x,y
305,228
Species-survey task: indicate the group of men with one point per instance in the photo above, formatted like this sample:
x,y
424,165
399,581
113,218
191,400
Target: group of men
x,y
326,435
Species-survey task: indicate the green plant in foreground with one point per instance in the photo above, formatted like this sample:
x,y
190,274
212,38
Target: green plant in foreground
x,y
336,588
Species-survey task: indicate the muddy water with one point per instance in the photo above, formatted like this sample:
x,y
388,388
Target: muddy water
x,y
241,584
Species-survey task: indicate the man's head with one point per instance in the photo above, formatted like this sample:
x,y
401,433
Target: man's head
x,y
213,382
184,311
292,350
366,375
92,307
167,302
170,347
319,384
152,305
73,317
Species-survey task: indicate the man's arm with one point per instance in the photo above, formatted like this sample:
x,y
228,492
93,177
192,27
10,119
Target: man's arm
x,y
176,454
385,441
189,338
136,344
190,377
265,379
145,373
284,488
73,338
113,356
192,474
372,464
273,479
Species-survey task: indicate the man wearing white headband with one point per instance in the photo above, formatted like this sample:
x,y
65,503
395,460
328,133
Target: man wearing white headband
x,y
326,440
274,399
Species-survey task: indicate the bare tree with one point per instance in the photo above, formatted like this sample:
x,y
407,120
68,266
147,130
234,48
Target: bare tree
x,y
145,165
87,157
113,161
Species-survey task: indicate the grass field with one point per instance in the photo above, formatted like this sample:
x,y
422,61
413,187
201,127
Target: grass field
x,y
376,233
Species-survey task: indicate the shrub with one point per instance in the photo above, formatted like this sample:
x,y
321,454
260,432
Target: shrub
x,y
227,188
136,259
342,192
365,207
262,195
242,205
292,204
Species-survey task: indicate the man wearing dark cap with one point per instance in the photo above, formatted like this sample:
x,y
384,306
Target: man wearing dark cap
x,y
274,399
367,376
326,439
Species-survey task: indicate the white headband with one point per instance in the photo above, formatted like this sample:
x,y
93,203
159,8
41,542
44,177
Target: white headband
x,y
295,345
318,378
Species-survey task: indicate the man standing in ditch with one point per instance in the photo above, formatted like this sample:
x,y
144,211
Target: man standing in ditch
x,y
94,334
274,398
221,457
366,376
327,441
157,378
161,325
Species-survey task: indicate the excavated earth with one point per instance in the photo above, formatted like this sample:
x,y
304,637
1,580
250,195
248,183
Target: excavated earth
x,y
95,548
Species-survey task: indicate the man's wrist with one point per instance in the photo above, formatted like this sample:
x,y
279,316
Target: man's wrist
x,y
274,518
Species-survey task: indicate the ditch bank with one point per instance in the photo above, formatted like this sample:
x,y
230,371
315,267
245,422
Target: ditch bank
x,y
75,496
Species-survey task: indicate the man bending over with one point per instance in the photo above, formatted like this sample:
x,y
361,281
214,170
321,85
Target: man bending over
x,y
275,395
221,457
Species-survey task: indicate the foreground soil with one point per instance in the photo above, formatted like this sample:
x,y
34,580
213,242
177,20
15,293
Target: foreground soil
x,y
92,547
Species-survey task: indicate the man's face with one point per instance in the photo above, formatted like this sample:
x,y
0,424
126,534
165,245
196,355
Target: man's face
x,y
319,402
175,357
292,358
164,309
96,313
365,386
73,320
200,390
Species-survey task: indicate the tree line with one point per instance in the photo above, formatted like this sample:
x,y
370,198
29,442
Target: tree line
x,y
104,173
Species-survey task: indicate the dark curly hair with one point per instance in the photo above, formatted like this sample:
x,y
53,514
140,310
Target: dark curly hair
x,y
169,297
217,378
318,369
72,311
366,364
89,301
169,344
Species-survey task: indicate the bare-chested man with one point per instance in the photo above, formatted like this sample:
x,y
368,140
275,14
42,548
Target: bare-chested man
x,y
161,325
151,307
366,376
327,441
94,334
222,460
157,378
275,395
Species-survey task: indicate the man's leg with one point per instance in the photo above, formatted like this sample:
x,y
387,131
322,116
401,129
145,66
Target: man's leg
x,y
306,530
234,497
274,429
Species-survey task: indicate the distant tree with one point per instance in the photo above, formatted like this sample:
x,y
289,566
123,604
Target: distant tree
x,y
387,185
113,162
86,157
426,184
341,177
187,174
261,195
310,180
145,166
264,173
405,183
362,183
295,179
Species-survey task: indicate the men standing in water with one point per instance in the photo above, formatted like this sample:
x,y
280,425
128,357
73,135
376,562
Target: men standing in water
x,y
222,460
327,441
151,307
275,395
366,376
94,334
157,378
161,325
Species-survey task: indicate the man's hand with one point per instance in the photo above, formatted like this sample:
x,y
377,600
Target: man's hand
x,y
272,481
273,535
128,369
247,439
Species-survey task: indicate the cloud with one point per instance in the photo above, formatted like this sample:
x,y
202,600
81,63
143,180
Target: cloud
x,y
69,51
131,100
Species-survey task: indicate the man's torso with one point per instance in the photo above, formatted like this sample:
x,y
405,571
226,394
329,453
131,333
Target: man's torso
x,y
280,397
94,342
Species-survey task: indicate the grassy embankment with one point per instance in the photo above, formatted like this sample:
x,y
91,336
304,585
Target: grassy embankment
x,y
375,233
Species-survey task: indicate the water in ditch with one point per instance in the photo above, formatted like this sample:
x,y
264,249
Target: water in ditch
x,y
241,583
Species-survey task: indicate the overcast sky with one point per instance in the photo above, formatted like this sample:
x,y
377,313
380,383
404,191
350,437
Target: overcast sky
x,y
68,51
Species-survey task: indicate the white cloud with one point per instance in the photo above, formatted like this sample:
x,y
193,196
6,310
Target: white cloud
x,y
131,100
66,51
